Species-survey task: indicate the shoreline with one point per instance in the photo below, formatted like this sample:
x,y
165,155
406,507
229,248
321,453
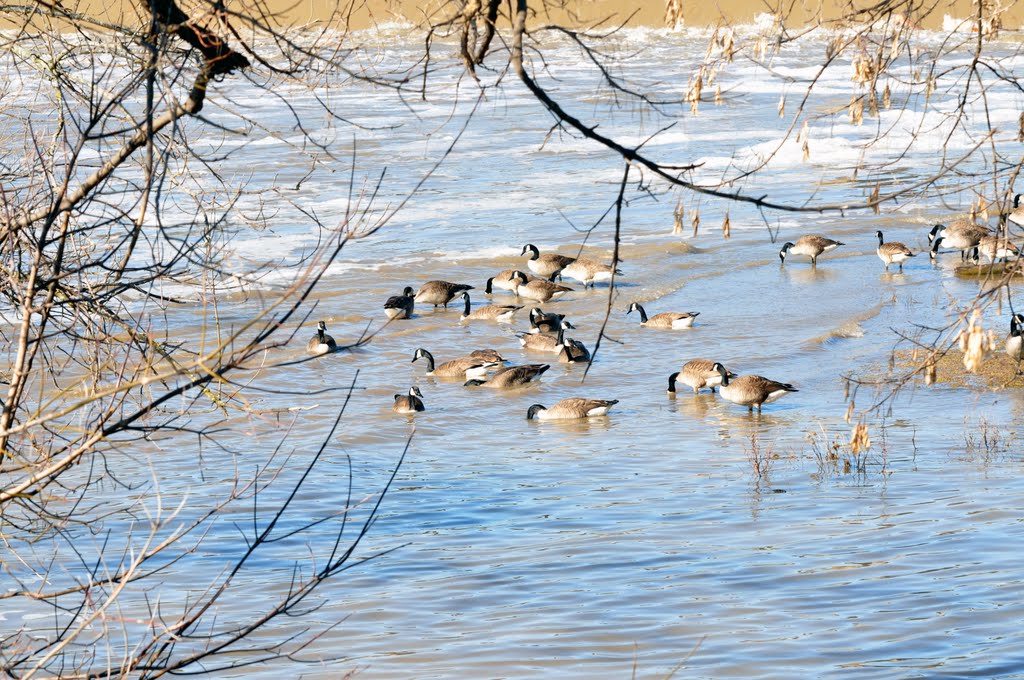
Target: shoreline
x,y
598,14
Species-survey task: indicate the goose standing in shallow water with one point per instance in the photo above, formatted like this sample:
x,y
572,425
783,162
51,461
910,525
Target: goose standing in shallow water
x,y
1014,341
547,265
994,248
511,376
463,367
321,343
1016,215
588,271
489,312
811,245
538,289
960,235
506,280
439,292
672,320
751,390
698,373
400,306
409,403
571,408
892,252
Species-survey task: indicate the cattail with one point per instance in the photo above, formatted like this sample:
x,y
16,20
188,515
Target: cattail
x,y
972,343
728,44
726,226
694,91
859,439
856,111
673,14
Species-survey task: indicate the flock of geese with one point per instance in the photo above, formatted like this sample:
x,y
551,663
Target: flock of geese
x,y
547,331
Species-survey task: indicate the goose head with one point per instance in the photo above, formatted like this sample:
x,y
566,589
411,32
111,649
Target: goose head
x,y
785,250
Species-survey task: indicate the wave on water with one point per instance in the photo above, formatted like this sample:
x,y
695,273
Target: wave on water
x,y
850,328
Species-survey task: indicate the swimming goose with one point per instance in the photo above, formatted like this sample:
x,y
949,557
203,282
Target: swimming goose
x,y
587,271
409,403
487,355
811,245
439,292
698,373
892,252
573,352
546,265
573,407
400,306
542,342
751,390
504,280
321,343
960,235
673,320
538,289
544,322
489,312
511,376
1014,341
994,248
463,367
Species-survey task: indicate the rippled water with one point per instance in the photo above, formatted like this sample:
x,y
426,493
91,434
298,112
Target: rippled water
x,y
645,539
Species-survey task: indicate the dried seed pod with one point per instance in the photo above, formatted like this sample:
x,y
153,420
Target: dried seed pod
x,y
782,106
887,97
726,226
696,220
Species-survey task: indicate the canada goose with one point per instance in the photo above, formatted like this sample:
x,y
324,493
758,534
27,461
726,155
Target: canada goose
x,y
489,312
1016,215
546,265
994,248
673,320
321,343
487,355
511,376
573,351
811,245
463,367
573,407
960,235
587,271
892,252
1014,341
542,342
439,292
400,306
751,390
544,322
698,373
504,280
409,403
538,289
